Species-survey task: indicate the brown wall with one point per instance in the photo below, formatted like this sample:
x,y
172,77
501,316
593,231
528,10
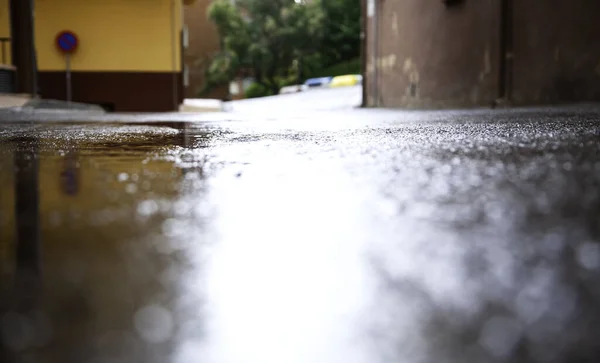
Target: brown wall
x,y
556,51
203,43
432,55
118,91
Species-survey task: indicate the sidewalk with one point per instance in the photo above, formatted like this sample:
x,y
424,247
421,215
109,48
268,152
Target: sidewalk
x,y
24,102
321,99
56,105
13,100
201,105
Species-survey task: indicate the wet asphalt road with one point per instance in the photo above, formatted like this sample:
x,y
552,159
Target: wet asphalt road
x,y
350,236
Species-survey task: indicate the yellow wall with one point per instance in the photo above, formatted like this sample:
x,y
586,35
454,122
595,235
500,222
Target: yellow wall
x,y
5,27
114,35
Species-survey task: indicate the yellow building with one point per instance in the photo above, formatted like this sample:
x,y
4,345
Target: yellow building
x,y
129,55
4,33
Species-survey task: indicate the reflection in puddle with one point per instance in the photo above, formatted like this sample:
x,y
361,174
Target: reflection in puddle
x,y
70,174
96,276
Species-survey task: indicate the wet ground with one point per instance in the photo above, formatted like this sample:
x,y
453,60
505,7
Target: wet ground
x,y
355,236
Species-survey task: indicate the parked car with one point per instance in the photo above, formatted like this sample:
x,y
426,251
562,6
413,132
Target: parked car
x,y
346,80
318,82
292,89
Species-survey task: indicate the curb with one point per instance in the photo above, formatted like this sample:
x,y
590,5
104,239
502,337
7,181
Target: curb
x,y
198,105
59,106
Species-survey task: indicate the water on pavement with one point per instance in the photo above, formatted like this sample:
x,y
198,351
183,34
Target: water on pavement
x,y
380,237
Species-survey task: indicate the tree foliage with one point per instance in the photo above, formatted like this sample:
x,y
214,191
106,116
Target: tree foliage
x,y
280,40
265,37
342,29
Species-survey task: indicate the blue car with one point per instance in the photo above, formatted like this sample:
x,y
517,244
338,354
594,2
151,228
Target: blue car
x,y
318,82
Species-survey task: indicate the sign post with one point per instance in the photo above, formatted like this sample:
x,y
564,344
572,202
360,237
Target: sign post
x,y
67,42
68,76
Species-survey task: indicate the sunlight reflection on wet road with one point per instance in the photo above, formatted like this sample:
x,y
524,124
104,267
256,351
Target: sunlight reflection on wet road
x,y
371,240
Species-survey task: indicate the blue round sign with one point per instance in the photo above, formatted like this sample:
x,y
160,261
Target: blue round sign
x,y
67,41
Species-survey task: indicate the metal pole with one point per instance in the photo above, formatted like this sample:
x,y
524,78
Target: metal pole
x,y
22,45
34,65
27,218
68,77
173,55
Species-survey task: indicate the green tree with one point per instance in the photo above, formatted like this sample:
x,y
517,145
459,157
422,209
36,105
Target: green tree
x,y
342,31
266,37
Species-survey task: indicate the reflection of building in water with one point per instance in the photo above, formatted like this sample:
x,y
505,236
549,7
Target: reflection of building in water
x,y
105,260
21,287
27,218
69,177
6,214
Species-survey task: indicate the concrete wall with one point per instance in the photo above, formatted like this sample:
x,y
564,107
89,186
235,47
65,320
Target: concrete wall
x,y
431,55
203,44
556,51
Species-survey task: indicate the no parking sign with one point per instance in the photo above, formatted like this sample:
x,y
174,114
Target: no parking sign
x,y
67,42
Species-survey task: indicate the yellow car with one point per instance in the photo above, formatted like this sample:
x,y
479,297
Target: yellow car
x,y
345,80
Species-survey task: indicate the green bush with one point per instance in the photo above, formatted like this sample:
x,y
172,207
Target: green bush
x,y
287,81
349,67
257,90
352,66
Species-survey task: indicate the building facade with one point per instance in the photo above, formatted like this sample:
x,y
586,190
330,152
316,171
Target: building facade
x,y
201,43
462,53
5,54
129,56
